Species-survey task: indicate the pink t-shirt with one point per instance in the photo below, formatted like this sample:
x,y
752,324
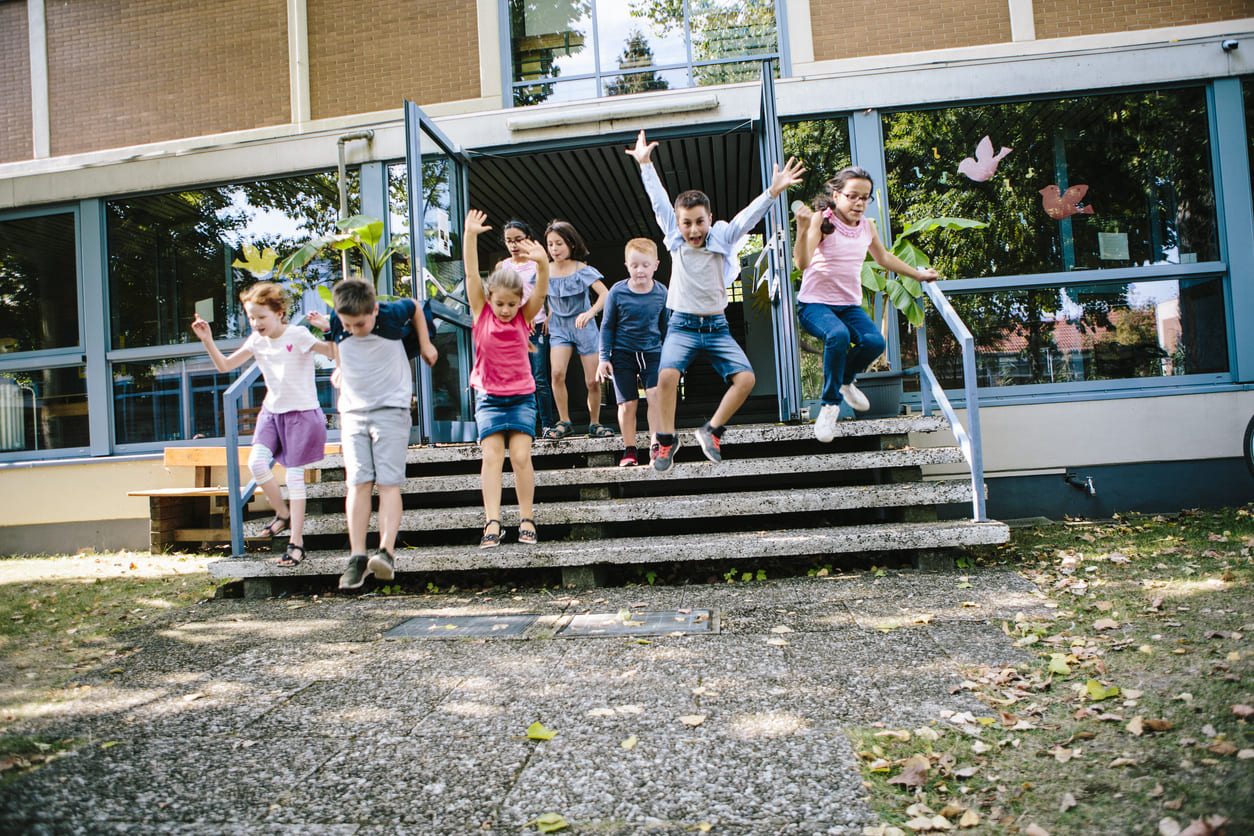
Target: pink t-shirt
x,y
502,366
527,271
834,276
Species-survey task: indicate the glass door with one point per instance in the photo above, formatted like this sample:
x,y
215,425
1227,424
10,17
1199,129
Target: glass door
x,y
776,260
437,190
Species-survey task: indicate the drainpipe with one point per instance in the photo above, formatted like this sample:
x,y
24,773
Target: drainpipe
x,y
341,180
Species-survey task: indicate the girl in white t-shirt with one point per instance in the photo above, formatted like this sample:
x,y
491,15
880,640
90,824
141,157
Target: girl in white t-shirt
x,y
291,428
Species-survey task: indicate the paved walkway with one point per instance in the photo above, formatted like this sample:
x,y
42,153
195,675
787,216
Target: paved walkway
x,y
297,716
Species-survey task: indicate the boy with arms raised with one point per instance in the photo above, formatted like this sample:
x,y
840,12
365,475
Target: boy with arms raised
x,y
704,264
376,387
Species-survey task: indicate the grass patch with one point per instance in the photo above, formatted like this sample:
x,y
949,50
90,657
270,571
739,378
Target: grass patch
x,y
1131,716
60,617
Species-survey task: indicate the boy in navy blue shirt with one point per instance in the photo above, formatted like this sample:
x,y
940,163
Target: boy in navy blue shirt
x,y
376,388
632,328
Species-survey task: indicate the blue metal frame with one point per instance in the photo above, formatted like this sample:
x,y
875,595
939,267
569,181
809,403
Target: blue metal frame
x,y
1234,204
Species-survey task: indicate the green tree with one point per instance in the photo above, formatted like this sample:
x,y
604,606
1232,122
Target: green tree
x,y
635,59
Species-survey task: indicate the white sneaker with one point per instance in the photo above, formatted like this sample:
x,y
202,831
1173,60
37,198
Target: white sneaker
x,y
825,424
854,397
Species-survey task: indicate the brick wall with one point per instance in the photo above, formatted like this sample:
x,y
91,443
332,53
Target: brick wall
x,y
15,124
871,27
1064,18
371,56
124,72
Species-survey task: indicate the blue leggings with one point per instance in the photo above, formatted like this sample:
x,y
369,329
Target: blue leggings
x,y
851,342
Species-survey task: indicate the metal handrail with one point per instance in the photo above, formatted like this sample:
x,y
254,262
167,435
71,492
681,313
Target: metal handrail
x,y
968,437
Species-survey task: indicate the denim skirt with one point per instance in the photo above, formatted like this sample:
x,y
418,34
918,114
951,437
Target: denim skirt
x,y
505,413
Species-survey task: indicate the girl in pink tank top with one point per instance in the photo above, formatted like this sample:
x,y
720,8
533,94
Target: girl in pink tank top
x,y
832,244
505,407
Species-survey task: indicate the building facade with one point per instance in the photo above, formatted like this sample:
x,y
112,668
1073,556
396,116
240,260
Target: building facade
x,y
144,153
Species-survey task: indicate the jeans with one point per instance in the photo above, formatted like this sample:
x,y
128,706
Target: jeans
x,y
839,326
540,371
689,336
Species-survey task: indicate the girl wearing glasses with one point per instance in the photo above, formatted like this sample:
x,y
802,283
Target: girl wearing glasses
x,y
832,242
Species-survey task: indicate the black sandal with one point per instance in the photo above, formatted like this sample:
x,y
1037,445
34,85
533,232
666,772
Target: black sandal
x,y
282,522
489,541
527,538
292,557
558,431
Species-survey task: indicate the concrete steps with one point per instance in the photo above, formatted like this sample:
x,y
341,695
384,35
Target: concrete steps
x,y
777,493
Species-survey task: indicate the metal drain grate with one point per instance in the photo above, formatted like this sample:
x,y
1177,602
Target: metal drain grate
x,y
461,626
638,624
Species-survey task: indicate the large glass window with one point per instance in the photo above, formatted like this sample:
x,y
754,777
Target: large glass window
x,y
171,255
563,50
1107,185
1087,183
38,283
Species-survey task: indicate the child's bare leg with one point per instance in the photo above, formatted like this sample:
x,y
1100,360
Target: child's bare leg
x,y
741,385
652,414
296,504
668,395
389,516
594,389
559,357
627,421
357,508
493,452
524,473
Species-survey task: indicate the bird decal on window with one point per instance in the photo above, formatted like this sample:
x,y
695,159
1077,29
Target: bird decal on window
x,y
985,162
1059,204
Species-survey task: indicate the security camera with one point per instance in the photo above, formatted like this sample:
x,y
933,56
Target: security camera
x,y
1230,45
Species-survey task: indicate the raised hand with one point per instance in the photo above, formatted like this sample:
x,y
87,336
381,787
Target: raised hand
x,y
642,151
476,222
318,320
781,180
534,251
201,328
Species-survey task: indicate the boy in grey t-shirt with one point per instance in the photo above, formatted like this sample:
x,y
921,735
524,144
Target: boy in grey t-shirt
x,y
703,256
376,387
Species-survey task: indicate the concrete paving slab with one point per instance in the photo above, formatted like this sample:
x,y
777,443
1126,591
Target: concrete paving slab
x,y
286,715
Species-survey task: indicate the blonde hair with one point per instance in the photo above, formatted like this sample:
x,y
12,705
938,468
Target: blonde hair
x,y
268,294
503,278
641,245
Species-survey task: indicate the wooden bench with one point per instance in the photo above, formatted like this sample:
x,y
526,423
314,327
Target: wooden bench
x,y
198,514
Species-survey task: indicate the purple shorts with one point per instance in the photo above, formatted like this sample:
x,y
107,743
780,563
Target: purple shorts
x,y
296,438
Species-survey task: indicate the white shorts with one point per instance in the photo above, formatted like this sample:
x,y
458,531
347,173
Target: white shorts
x,y
375,443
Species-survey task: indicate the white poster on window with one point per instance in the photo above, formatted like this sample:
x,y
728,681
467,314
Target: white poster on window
x,y
439,238
204,309
1112,246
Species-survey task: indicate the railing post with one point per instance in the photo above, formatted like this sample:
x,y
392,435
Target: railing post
x,y
970,384
925,395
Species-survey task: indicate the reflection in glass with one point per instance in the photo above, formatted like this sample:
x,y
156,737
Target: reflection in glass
x,y
171,255
1082,332
43,409
38,283
732,28
1142,161
551,38
627,83
444,274
565,91
646,34
1247,93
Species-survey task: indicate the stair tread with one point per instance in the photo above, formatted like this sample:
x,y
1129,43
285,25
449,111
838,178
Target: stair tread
x,y
692,506
679,548
735,435
730,468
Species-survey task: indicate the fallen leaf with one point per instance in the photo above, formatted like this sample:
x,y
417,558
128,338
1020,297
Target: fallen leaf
x,y
537,731
1135,726
1105,624
1097,691
1035,830
1068,801
548,823
1160,724
781,629
1174,804
705,827
980,747
692,719
1243,710
629,743
952,809
632,709
601,712
1122,762
913,774
1157,791
903,736
1245,754
1168,827
969,819
1223,747
776,641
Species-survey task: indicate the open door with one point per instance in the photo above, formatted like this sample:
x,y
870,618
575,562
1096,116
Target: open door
x,y
437,190
775,263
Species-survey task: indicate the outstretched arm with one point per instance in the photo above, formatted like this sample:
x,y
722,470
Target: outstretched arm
x,y
663,211
476,223
426,348
888,261
220,361
782,180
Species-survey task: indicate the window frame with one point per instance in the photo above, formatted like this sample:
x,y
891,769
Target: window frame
x,y
509,86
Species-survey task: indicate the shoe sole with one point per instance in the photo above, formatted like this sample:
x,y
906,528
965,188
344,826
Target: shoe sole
x,y
379,568
665,469
348,588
